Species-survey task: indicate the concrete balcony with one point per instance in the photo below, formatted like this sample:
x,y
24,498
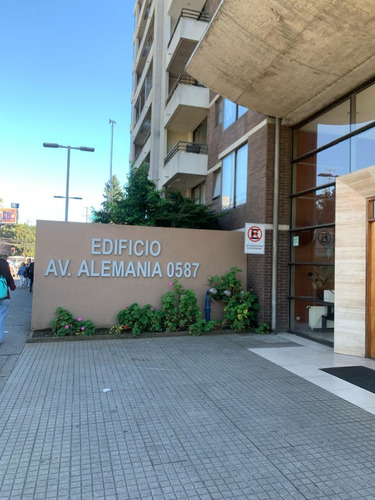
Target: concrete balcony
x,y
142,19
286,59
185,166
187,105
143,55
142,153
187,32
143,117
175,6
142,133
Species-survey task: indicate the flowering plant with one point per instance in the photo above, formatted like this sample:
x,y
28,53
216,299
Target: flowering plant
x,y
65,324
140,319
180,307
240,306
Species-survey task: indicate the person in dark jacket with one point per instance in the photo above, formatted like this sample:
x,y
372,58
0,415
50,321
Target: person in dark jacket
x,y
30,275
4,303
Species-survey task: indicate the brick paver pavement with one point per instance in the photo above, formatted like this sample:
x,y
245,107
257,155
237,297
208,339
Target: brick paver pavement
x,y
193,418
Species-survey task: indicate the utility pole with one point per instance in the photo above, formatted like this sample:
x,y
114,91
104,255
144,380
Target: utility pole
x,y
111,122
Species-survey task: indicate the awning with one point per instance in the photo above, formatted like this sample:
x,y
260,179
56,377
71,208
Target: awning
x,y
286,58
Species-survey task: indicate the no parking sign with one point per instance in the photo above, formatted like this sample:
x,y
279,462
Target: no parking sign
x,y
254,238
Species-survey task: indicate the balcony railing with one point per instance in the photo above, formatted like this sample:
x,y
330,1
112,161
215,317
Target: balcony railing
x,y
190,14
147,11
141,101
140,148
147,47
187,147
183,79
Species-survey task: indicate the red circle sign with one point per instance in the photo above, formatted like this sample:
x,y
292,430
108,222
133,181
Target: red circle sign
x,y
255,234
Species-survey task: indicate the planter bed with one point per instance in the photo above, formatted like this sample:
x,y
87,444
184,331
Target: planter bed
x,y
100,334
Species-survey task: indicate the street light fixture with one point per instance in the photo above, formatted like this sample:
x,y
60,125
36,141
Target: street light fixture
x,y
111,122
80,148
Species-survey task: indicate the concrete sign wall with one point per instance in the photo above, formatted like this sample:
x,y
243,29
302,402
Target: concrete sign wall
x,y
95,270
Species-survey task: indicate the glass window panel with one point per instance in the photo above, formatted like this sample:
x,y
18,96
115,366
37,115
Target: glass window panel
x,y
313,245
313,282
198,194
364,108
241,175
241,111
322,168
219,112
227,194
217,184
323,130
200,133
229,113
363,150
314,208
307,317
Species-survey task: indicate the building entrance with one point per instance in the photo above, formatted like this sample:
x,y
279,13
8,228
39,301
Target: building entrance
x,y
338,141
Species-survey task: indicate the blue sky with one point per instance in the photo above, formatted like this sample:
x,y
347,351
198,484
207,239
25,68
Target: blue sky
x,y
65,71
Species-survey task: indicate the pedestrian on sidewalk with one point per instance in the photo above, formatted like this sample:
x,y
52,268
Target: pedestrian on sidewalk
x,y
4,303
30,275
21,271
26,272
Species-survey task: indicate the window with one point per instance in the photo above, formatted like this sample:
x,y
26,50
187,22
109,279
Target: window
x,y
234,176
329,145
229,113
200,133
198,194
232,112
241,110
217,184
219,112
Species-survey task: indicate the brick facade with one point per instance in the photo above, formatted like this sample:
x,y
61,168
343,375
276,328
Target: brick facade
x,y
259,204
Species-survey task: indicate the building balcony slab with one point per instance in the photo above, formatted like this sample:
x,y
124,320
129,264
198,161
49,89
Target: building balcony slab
x,y
186,109
186,35
185,166
286,59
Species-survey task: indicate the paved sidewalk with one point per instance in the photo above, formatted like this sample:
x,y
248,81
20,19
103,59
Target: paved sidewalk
x,y
198,418
17,330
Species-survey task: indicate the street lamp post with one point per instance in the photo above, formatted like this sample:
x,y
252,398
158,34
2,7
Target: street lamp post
x,y
80,148
111,122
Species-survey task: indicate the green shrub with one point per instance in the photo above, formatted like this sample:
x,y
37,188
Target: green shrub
x,y
201,326
180,308
141,319
240,306
264,328
65,325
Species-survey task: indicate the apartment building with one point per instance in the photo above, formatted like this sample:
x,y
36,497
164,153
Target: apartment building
x,y
169,125
202,144
285,139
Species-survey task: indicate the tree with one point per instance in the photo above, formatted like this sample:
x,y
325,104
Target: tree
x,y
179,211
110,202
22,237
142,204
142,200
